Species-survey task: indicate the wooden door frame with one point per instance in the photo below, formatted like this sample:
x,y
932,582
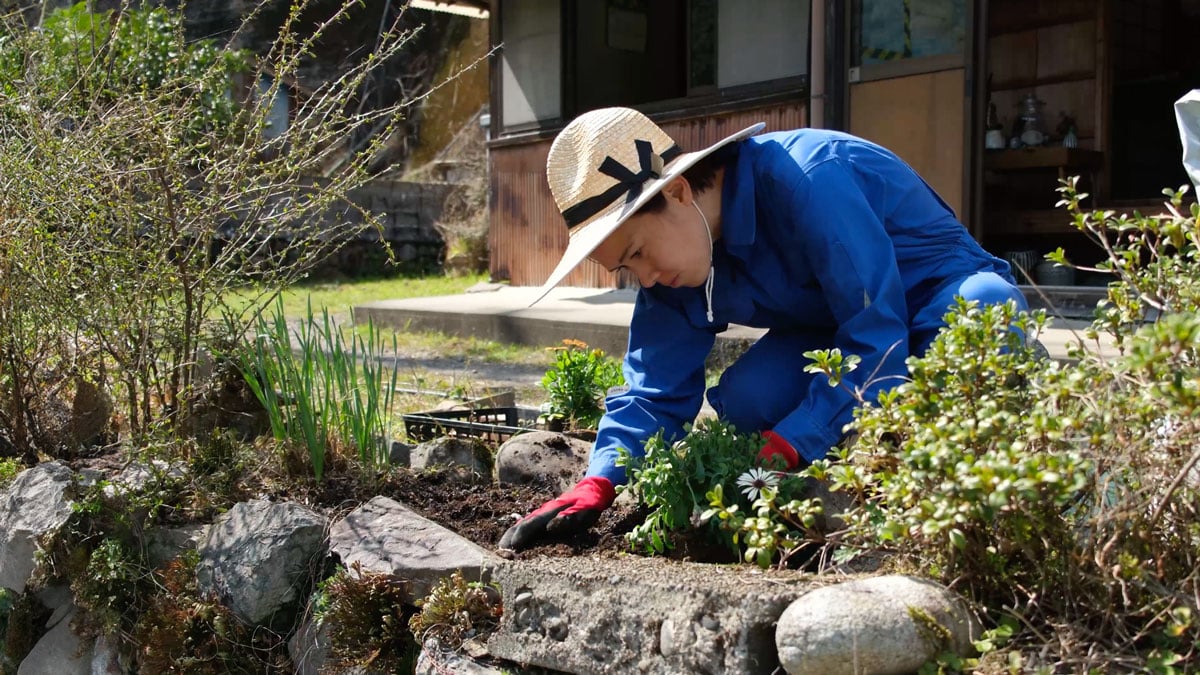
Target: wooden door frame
x,y
836,102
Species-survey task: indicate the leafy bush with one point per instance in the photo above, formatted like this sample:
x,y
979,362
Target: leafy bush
x,y
325,394
1063,495
708,481
138,185
577,384
9,468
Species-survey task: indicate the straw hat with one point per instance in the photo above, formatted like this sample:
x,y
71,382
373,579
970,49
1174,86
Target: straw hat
x,y
603,167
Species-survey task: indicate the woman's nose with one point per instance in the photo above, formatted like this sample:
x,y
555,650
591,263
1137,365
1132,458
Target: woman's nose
x,y
647,277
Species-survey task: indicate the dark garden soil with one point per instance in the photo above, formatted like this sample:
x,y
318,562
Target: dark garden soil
x,y
482,513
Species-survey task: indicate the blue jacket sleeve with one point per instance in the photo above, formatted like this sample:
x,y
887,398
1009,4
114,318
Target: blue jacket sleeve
x,y
844,241
664,368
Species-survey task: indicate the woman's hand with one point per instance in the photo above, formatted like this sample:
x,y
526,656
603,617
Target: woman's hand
x,y
575,511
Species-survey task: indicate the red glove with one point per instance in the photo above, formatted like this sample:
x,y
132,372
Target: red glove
x,y
777,453
574,511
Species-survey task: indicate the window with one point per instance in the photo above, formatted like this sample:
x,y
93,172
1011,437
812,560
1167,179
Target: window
x,y
563,58
892,30
530,62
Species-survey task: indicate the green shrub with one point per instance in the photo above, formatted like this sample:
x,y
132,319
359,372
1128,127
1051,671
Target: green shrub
x,y
1064,495
577,384
9,468
135,192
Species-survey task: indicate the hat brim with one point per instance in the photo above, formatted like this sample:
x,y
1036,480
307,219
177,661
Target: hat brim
x,y
587,238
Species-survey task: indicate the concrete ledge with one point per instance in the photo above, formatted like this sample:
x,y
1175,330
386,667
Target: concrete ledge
x,y
600,317
642,615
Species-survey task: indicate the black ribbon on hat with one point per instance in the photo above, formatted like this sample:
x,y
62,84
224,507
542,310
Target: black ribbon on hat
x,y
628,183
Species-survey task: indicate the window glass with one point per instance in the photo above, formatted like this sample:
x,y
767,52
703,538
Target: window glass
x,y
889,30
530,62
761,40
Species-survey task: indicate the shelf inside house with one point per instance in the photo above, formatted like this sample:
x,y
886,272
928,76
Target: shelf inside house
x,y
1029,221
1050,157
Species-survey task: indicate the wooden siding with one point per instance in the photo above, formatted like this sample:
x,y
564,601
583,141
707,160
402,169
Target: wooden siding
x,y
527,234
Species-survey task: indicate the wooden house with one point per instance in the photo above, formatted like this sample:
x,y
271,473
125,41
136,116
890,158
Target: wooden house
x,y
914,75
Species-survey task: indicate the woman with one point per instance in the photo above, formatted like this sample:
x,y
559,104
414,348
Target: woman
x,y
824,239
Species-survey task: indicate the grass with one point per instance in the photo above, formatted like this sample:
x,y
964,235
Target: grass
x,y
419,388
339,296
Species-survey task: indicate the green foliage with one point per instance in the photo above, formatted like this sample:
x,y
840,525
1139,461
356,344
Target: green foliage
x,y
322,393
367,620
181,631
1061,495
7,599
456,609
577,383
673,480
774,529
139,182
25,619
9,468
101,550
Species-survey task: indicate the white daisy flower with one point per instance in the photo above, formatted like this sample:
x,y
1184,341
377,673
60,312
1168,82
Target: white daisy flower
x,y
753,481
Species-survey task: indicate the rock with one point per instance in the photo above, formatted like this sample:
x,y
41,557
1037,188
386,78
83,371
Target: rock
x,y
59,652
400,454
833,504
452,451
57,599
165,544
136,476
259,558
34,504
105,658
386,537
641,615
874,626
437,660
539,456
309,647
91,410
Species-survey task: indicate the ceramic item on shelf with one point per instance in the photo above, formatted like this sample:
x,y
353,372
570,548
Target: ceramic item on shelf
x,y
994,140
1022,264
1071,139
1050,273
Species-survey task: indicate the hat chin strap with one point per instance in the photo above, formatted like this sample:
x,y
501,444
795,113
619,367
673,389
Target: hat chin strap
x,y
708,283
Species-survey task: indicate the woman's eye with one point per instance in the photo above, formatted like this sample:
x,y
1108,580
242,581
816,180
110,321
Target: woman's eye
x,y
637,254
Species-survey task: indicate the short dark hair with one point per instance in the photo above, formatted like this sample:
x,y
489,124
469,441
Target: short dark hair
x,y
701,175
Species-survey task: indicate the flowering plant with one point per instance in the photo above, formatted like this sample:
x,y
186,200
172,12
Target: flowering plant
x,y
577,382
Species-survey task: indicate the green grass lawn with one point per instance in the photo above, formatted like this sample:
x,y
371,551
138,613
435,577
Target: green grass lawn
x,y
339,296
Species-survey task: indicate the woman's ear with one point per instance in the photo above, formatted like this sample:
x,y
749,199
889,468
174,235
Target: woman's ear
x,y
678,190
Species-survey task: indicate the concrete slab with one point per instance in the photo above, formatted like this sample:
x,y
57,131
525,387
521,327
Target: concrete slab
x,y
642,615
600,317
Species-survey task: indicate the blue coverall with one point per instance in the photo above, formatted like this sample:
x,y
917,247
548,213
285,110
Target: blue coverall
x,y
827,240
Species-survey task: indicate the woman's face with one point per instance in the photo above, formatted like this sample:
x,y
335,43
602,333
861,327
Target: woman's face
x,y
668,247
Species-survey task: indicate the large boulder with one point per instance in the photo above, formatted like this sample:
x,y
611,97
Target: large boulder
x,y
386,537
34,504
260,557
542,456
875,626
